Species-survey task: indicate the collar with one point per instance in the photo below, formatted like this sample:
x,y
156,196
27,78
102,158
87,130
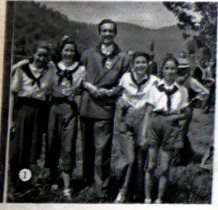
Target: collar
x,y
163,82
107,50
112,50
139,83
145,78
63,67
34,69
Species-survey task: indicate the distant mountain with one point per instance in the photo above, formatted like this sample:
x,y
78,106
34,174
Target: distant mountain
x,y
167,40
34,22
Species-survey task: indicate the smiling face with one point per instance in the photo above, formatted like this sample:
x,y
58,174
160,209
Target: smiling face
x,y
107,33
170,71
140,65
41,57
68,53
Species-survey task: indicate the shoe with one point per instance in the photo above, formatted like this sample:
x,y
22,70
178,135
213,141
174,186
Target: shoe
x,y
121,198
67,193
147,201
158,201
54,187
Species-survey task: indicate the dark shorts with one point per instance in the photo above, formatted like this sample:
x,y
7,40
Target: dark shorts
x,y
128,121
163,133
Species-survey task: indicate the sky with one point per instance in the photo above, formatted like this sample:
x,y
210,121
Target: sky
x,y
148,14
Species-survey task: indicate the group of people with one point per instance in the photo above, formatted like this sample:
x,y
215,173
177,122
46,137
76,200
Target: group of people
x,y
105,91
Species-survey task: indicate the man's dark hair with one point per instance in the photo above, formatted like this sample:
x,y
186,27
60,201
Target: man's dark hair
x,y
107,21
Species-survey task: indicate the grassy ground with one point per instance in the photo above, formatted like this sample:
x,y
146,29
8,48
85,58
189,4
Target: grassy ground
x,y
188,184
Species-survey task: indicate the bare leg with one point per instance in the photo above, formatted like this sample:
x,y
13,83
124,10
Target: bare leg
x,y
152,161
165,158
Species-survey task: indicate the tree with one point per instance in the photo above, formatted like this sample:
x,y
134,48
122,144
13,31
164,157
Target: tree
x,y
198,23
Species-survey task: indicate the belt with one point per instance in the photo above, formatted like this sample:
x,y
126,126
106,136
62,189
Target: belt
x,y
162,113
60,100
29,102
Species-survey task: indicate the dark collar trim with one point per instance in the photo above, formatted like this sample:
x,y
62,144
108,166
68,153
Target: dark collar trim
x,y
139,84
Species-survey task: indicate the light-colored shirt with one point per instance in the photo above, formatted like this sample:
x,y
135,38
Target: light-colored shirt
x,y
196,86
158,99
107,50
24,86
67,86
134,93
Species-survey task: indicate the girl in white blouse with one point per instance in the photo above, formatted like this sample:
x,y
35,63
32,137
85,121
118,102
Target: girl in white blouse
x,y
67,76
30,85
166,108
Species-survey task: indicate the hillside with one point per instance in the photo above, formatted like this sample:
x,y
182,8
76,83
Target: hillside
x,y
35,22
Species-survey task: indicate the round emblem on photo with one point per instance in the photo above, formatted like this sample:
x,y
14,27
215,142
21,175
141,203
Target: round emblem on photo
x,y
108,64
25,175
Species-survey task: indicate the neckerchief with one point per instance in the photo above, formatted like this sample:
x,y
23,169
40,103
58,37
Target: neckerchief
x,y
68,74
139,84
168,93
106,58
26,69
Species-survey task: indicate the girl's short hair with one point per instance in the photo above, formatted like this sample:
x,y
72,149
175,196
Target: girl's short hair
x,y
139,54
66,40
170,57
42,44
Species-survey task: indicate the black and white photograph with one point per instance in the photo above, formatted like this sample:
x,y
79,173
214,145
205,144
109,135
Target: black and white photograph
x,y
108,102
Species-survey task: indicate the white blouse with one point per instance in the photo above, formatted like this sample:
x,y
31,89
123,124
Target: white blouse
x,y
24,86
158,99
134,94
67,85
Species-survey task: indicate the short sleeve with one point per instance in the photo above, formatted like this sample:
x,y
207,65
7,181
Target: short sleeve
x,y
184,97
83,74
122,80
198,88
152,96
79,76
16,80
18,65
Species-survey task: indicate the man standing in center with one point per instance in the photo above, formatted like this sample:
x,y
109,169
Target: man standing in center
x,y
105,64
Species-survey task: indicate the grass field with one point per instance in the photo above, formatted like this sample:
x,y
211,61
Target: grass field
x,y
188,184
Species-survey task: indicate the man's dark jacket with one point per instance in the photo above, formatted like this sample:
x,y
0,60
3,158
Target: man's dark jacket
x,y
99,76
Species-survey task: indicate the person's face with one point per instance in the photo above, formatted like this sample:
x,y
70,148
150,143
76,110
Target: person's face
x,y
41,57
68,52
169,71
140,65
107,33
182,55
